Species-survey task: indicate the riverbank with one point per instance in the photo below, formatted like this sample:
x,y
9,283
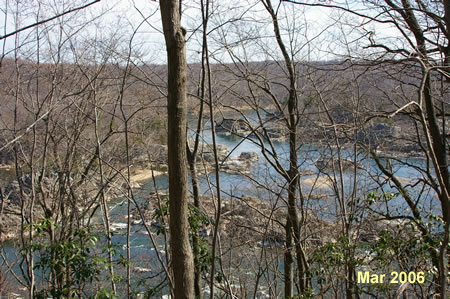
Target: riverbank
x,y
141,175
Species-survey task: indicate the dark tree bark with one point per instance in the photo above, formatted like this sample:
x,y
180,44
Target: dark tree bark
x,y
182,261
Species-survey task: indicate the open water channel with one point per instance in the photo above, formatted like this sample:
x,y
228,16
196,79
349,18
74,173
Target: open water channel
x,y
142,249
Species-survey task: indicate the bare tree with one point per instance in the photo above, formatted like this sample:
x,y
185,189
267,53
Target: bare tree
x,y
419,45
182,261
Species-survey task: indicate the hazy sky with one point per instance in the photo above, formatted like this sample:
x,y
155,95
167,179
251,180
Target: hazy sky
x,y
312,33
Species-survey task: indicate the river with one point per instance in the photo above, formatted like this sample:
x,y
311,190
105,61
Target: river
x,y
142,249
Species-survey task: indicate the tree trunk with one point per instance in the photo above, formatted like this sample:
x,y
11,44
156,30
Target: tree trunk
x,y
293,172
288,262
195,236
182,261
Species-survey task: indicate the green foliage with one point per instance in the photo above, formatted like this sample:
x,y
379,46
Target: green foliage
x,y
70,262
105,294
332,256
151,292
408,253
163,211
197,221
373,197
204,259
219,276
308,294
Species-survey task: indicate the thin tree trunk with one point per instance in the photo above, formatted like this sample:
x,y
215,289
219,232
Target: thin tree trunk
x,y
103,199
435,140
288,261
192,158
293,173
195,236
182,261
439,151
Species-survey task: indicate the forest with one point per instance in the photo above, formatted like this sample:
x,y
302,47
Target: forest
x,y
224,149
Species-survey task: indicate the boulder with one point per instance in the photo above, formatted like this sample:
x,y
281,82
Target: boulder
x,y
328,164
249,156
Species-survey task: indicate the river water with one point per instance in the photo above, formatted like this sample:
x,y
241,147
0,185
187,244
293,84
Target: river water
x,y
142,249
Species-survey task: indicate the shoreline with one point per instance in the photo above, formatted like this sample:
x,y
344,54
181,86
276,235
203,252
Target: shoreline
x,y
142,174
6,167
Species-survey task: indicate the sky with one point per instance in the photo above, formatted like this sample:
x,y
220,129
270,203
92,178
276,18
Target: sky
x,y
313,33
